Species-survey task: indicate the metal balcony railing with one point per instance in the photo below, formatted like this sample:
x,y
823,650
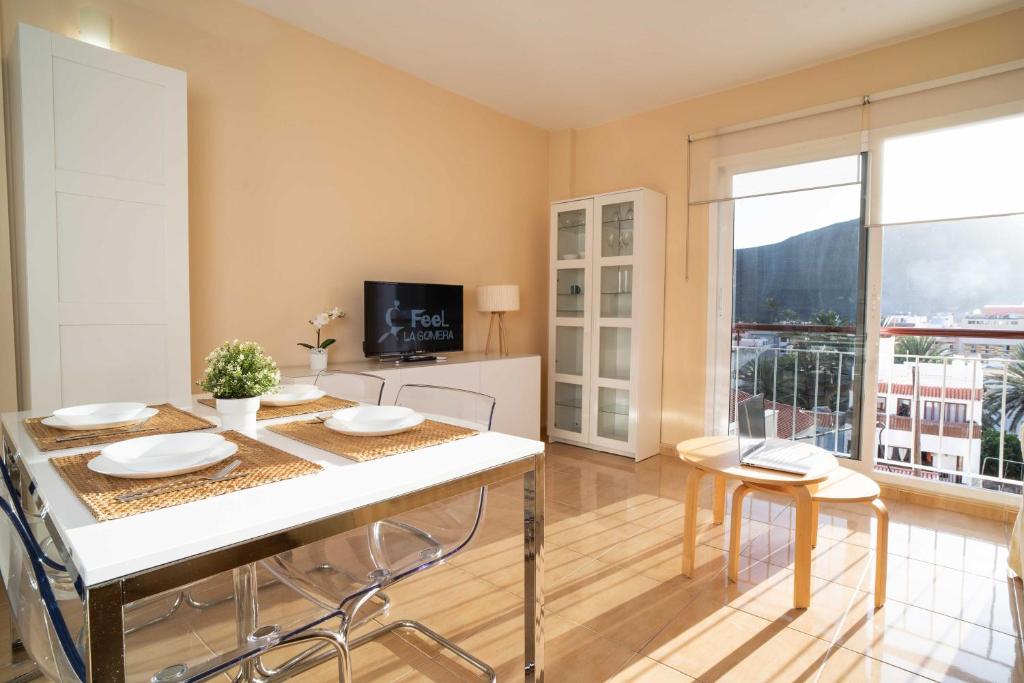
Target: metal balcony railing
x,y
810,390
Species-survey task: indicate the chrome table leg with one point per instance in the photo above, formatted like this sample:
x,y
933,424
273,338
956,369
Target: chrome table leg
x,y
104,622
247,615
533,563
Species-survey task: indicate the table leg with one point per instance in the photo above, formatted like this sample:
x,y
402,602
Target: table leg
x,y
247,614
690,507
804,534
881,550
533,565
718,508
737,529
815,515
104,622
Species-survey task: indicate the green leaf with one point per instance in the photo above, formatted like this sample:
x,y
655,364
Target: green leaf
x,y
306,346
326,342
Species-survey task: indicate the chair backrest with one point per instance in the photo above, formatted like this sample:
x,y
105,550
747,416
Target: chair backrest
x,y
9,492
355,386
34,607
466,407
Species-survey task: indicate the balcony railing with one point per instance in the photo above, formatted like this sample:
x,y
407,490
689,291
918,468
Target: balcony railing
x,y
810,391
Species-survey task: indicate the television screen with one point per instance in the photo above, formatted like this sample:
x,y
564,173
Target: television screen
x,y
406,318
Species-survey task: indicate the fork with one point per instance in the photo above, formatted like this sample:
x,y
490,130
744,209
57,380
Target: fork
x,y
223,474
90,435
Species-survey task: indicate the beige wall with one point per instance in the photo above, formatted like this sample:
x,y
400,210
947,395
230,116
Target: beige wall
x,y
312,168
649,150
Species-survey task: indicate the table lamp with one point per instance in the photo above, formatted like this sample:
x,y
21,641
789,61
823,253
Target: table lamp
x,y
497,300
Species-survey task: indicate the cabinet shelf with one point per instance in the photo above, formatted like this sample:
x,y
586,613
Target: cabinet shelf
x,y
614,410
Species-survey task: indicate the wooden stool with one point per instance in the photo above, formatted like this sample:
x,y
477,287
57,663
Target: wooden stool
x,y
842,486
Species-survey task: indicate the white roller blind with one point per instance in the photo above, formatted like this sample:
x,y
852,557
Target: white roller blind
x,y
912,135
920,182
804,143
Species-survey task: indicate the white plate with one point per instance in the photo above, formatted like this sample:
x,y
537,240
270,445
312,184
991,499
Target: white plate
x,y
292,395
162,452
104,465
99,413
355,429
374,417
57,423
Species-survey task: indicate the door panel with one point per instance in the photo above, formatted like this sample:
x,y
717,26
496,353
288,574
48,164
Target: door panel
x,y
101,180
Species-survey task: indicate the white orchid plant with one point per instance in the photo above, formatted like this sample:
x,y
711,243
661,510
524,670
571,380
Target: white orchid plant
x,y
319,322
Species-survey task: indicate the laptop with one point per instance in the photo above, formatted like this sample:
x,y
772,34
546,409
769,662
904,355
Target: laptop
x,y
755,449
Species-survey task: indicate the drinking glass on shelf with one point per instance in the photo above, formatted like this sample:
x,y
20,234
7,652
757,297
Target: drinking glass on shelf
x,y
625,238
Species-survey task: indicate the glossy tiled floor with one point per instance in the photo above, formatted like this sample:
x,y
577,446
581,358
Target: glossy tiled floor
x,y
618,610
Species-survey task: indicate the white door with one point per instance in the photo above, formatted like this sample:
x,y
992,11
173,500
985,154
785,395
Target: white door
x,y
101,208
569,340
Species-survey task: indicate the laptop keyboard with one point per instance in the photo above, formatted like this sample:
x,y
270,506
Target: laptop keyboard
x,y
796,458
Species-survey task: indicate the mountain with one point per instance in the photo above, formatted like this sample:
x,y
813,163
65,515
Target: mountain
x,y
947,267
809,273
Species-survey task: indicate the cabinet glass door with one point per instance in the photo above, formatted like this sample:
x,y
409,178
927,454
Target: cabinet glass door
x,y
569,292
613,414
616,291
614,353
572,234
617,229
569,350
569,407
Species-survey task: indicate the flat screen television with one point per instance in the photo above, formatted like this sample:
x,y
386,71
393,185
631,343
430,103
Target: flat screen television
x,y
406,319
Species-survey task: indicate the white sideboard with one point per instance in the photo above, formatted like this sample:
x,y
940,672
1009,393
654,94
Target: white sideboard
x,y
100,233
514,382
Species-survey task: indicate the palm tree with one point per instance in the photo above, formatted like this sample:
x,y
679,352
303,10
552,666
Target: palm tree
x,y
829,317
927,349
1014,417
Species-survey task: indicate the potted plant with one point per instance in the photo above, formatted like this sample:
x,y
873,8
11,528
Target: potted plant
x,y
237,374
318,353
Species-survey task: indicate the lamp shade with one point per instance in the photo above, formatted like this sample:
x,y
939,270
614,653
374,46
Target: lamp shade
x,y
497,298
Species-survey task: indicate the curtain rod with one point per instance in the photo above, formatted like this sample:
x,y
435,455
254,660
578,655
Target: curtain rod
x,y
853,102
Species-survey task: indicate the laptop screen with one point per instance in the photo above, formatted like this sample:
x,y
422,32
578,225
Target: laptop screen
x,y
750,424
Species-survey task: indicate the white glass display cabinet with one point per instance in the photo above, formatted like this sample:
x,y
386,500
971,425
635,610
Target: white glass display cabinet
x,y
607,314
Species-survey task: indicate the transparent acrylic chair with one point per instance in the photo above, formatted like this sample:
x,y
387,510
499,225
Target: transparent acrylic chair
x,y
32,514
48,626
391,550
362,387
354,386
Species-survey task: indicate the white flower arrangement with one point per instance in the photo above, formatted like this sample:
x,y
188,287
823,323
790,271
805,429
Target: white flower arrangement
x,y
239,370
319,321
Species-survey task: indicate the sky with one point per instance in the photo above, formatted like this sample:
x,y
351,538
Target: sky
x,y
968,170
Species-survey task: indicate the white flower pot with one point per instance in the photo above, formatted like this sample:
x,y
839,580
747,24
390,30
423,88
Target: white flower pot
x,y
317,359
238,414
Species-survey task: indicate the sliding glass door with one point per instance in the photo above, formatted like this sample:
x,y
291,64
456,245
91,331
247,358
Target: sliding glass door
x,y
795,310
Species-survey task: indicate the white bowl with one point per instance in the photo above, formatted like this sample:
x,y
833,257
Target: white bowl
x,y
99,413
374,417
159,451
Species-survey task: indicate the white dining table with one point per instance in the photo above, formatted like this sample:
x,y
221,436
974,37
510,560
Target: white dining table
x,y
123,560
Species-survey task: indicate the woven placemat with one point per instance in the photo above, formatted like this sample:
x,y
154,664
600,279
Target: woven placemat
x,y
167,420
270,412
363,448
261,464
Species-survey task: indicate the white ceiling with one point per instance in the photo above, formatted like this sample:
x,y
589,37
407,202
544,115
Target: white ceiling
x,y
575,63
